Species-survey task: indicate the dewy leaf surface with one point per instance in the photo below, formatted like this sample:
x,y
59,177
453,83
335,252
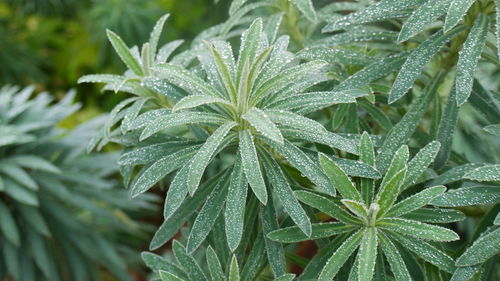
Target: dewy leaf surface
x,y
421,17
261,122
251,166
482,249
456,12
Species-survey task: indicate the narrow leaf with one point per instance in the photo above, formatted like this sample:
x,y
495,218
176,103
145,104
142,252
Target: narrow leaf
x,y
251,166
421,17
367,255
261,122
416,201
235,202
456,11
123,51
482,249
339,179
293,234
418,230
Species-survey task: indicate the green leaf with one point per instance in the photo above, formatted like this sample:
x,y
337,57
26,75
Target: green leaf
x,y
485,173
446,128
482,249
356,208
154,37
293,234
339,179
367,155
261,122
293,120
35,163
497,4
286,277
234,270
201,160
420,162
326,206
150,175
398,266
497,220
465,273
167,276
493,129
356,168
274,250
205,219
456,11
455,174
435,215
377,114
416,61
154,152
418,229
18,174
176,192
34,217
235,212
403,130
214,265
251,166
250,40
187,262
340,256
367,254
225,72
389,192
155,263
8,226
286,195
469,56
421,17
307,8
398,162
468,196
426,251
123,51
197,100
416,201
335,55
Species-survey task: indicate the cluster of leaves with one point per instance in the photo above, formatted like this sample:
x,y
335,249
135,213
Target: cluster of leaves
x,y
59,208
307,135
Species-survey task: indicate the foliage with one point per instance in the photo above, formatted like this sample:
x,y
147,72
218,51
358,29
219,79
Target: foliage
x,y
60,213
317,116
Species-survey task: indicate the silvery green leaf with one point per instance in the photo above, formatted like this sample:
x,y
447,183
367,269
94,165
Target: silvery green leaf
x,y
202,158
421,17
485,173
455,174
34,217
307,9
335,55
272,25
274,250
226,73
468,58
340,256
294,121
180,118
155,262
417,59
150,175
251,166
482,249
467,196
235,5
379,11
367,254
402,131
497,220
235,202
293,234
214,265
497,4
205,219
398,266
19,193
35,163
123,51
286,277
9,226
197,100
355,168
398,162
435,215
420,162
101,78
371,72
261,122
377,114
465,273
456,11
339,179
18,174
418,229
235,18
327,138
163,88
176,192
366,155
357,208
446,128
154,37
286,195
426,251
416,201
278,58
357,35
313,101
186,80
132,113
117,113
167,276
187,262
493,129
250,40
155,152
389,192
167,50
326,206
234,270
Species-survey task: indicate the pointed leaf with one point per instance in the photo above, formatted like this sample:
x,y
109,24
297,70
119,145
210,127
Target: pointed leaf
x,y
482,249
416,201
176,192
339,179
421,17
235,202
197,100
485,173
187,262
261,122
293,120
214,265
8,226
326,206
456,11
123,51
468,196
307,8
418,230
367,255
389,192
398,266
417,165
356,208
234,270
293,234
446,128
251,166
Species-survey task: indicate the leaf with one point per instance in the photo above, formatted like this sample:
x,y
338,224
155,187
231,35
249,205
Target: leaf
x,y
417,59
377,114
389,192
35,163
251,166
418,230
19,175
493,129
398,266
293,234
416,201
421,17
402,131
187,262
367,254
176,192
167,276
468,196
274,250
235,5
426,251
356,208
226,73
326,206
235,202
312,101
293,120
197,100
205,219
356,168
339,179
250,40
234,270
446,128
214,265
155,263
482,249
334,55
8,226
340,256
154,37
485,173
286,277
261,122
286,195
454,174
435,215
420,162
366,155
497,4
465,273
398,162
468,58
154,152
307,8
456,11
123,51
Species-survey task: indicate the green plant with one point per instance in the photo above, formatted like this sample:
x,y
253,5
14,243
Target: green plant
x,y
320,123
59,209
